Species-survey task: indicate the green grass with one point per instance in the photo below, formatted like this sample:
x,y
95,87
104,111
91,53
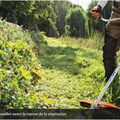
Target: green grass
x,y
73,72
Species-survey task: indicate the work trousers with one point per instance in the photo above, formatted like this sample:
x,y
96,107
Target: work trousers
x,y
111,43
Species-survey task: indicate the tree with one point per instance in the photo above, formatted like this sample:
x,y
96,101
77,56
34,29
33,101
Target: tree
x,y
75,23
31,14
61,8
46,17
12,11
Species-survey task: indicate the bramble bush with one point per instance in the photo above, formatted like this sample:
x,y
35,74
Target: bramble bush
x,y
20,70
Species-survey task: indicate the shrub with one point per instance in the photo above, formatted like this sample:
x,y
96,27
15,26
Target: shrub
x,y
20,71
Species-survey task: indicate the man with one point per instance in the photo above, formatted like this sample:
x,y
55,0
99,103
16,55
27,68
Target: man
x,y
112,34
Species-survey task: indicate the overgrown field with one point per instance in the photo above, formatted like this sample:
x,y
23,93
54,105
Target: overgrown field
x,y
41,72
73,72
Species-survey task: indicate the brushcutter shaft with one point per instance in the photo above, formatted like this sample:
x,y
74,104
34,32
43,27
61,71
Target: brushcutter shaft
x,y
109,20
95,105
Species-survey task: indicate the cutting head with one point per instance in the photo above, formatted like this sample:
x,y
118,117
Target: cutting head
x,y
101,105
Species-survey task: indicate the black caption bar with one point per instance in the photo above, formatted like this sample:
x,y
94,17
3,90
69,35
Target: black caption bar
x,y
59,114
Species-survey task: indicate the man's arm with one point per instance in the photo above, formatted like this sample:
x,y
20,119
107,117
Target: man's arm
x,y
96,11
102,3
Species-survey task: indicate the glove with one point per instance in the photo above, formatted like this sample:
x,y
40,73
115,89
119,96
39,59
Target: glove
x,y
95,12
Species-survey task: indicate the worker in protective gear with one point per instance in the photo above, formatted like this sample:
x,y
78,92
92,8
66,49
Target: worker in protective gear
x,y
112,35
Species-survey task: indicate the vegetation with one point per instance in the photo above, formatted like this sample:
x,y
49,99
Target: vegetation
x,y
20,70
55,18
39,70
75,23
31,14
73,71
61,8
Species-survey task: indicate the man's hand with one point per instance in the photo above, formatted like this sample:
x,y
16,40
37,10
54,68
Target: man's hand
x,y
95,12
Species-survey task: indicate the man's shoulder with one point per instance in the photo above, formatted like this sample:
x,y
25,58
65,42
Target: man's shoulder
x,y
117,0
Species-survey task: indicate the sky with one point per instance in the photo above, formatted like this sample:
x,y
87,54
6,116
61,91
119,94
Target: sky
x,y
83,3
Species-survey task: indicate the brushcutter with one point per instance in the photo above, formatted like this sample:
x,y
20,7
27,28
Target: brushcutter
x,y
109,20
98,15
98,104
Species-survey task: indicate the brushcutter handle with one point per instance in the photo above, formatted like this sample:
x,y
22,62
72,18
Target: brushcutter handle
x,y
95,14
109,20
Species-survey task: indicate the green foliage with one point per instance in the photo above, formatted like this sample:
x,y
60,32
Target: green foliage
x,y
31,14
115,90
13,11
61,8
38,40
20,71
54,17
46,18
75,23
